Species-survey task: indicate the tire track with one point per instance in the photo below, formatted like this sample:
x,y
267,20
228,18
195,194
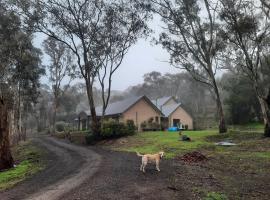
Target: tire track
x,y
68,167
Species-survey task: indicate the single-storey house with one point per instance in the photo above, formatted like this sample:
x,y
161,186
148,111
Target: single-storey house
x,y
138,109
165,111
173,113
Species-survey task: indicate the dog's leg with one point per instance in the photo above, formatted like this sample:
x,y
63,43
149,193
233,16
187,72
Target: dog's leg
x,y
141,168
144,165
157,166
144,168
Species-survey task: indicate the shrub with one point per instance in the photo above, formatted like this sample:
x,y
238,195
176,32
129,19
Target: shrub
x,y
90,138
150,125
186,127
115,129
143,125
131,127
150,120
60,126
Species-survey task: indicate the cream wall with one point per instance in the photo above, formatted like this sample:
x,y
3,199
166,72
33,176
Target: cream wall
x,y
144,112
184,117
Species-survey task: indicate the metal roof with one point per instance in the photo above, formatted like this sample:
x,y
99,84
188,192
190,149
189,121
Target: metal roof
x,y
161,101
168,110
120,107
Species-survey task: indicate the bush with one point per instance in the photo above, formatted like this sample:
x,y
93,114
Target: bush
x,y
60,126
143,125
150,125
90,138
115,129
131,127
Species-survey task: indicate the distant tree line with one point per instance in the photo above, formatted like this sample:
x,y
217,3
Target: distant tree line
x,y
239,99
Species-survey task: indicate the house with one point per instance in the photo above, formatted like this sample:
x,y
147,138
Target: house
x,y
138,109
164,111
173,113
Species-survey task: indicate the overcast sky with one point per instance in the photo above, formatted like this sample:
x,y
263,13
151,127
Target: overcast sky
x,y
142,58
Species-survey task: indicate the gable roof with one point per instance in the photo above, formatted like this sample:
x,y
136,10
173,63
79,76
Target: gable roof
x,y
168,110
161,101
120,107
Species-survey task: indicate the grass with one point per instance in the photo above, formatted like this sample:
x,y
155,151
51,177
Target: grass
x,y
215,196
236,172
28,158
254,127
151,142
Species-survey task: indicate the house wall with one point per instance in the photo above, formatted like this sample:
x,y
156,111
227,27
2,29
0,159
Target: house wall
x,y
184,117
140,112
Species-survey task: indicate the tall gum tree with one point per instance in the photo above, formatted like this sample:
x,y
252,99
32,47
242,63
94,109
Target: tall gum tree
x,y
247,31
61,67
19,72
81,25
191,36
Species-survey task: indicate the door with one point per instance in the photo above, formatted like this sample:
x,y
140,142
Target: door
x,y
176,122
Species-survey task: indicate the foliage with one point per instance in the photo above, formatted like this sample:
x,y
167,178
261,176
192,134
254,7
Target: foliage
x,y
99,40
20,71
115,129
150,125
131,126
246,30
28,157
215,196
241,101
112,129
91,138
60,126
61,66
193,41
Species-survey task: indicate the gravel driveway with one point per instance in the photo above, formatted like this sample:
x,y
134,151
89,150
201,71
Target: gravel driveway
x,y
76,172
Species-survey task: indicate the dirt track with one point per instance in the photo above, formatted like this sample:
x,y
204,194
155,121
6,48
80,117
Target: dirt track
x,y
67,166
76,172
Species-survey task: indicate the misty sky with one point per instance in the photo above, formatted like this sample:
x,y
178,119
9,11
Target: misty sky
x,y
142,58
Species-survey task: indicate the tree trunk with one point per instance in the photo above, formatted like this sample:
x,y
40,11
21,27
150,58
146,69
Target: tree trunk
x,y
222,124
6,160
266,116
54,114
95,125
265,109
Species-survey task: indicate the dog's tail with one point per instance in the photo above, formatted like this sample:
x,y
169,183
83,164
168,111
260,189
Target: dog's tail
x,y
138,154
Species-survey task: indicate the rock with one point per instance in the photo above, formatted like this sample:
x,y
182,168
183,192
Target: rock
x,y
225,144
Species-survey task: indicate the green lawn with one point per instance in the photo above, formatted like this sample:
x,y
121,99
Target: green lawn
x,y
28,158
152,142
238,172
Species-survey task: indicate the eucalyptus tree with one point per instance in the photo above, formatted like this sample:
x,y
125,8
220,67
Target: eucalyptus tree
x,y
20,71
191,36
61,66
266,7
247,31
98,33
123,26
